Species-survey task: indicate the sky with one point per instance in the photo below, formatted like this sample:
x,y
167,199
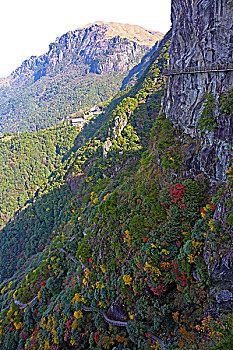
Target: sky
x,y
27,27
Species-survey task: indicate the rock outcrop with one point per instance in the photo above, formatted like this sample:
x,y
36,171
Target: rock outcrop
x,y
104,47
202,35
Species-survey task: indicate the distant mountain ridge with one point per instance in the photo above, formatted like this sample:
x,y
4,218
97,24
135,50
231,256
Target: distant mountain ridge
x,y
81,68
90,42
132,32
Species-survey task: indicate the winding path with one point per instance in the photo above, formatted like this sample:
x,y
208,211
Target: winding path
x,y
123,324
108,320
21,305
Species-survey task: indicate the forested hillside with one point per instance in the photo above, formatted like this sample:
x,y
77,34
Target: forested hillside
x,y
27,160
116,249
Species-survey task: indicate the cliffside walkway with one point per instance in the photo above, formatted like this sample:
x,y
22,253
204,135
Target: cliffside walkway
x,y
205,69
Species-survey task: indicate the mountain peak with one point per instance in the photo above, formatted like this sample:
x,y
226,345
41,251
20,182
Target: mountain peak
x,y
132,32
87,59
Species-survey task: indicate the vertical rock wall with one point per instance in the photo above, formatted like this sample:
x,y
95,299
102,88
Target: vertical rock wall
x,y
202,35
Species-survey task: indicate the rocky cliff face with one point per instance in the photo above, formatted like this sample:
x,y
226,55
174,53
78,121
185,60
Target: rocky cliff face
x,y
97,45
202,35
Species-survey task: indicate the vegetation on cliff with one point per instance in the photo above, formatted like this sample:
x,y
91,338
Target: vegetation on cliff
x,y
110,252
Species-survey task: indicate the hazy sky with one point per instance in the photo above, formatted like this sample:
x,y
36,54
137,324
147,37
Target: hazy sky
x,y
27,27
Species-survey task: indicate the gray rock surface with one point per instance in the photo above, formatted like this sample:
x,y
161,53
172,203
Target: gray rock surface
x,y
202,35
90,45
106,147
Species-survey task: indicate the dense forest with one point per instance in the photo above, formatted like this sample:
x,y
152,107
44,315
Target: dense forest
x,y
28,159
49,100
110,249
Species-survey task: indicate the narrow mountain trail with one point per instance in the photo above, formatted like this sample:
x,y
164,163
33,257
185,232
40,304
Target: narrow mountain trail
x,y
105,317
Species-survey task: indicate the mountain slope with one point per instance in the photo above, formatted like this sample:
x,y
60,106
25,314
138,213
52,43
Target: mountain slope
x,y
91,173
140,239
26,161
81,68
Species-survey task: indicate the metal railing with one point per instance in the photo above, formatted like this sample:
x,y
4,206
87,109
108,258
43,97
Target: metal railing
x,y
216,67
